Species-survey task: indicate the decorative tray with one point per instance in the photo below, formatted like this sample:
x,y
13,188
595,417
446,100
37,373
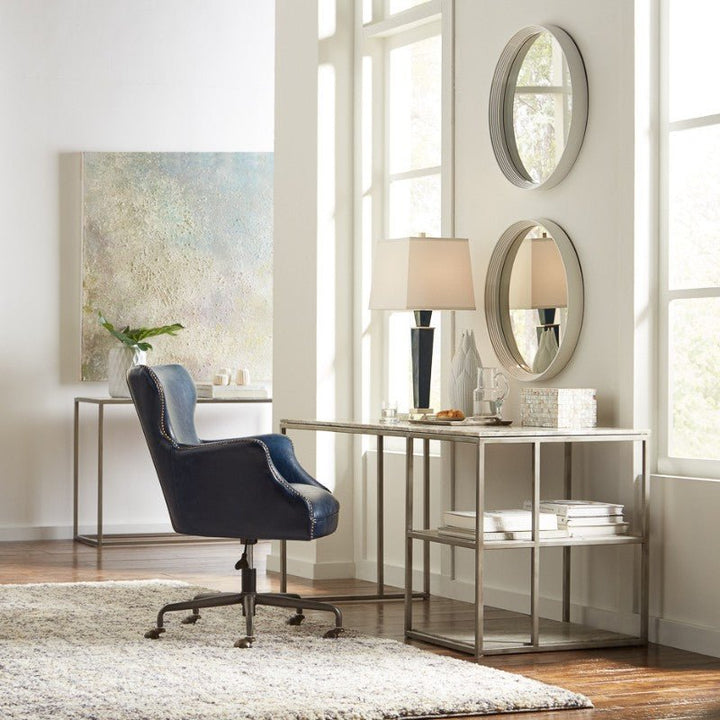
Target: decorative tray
x,y
431,420
487,421
484,421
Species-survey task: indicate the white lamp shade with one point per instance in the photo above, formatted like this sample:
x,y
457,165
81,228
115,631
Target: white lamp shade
x,y
422,273
538,276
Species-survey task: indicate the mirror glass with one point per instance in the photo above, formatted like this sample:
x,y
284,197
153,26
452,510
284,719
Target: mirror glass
x,y
534,299
541,106
538,107
537,299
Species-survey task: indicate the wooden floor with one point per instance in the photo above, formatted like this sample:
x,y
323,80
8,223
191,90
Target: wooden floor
x,y
654,683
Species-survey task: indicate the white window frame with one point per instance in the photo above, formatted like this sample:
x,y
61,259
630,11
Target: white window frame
x,y
376,39
667,464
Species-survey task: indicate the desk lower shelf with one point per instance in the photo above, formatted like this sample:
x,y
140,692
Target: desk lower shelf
x,y
435,536
507,632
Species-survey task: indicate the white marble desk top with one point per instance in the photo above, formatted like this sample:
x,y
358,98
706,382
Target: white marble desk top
x,y
468,433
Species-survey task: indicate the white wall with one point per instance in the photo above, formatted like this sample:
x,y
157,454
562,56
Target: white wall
x,y
595,206
109,75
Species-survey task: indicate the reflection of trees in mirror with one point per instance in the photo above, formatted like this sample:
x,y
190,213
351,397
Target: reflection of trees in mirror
x,y
537,67
523,322
542,107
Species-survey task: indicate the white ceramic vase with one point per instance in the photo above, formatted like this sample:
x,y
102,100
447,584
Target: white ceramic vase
x,y
463,373
120,360
547,350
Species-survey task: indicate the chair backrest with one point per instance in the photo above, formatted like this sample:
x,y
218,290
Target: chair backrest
x,y
165,398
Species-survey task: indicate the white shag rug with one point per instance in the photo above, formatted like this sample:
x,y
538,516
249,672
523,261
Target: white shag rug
x,y
76,651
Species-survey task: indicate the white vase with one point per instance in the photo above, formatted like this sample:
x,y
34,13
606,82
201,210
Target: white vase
x,y
120,360
463,373
547,350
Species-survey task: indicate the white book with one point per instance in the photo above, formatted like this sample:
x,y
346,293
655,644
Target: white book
x,y
490,536
500,520
597,521
598,530
578,508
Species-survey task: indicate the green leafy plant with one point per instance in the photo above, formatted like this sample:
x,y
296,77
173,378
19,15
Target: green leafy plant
x,y
136,337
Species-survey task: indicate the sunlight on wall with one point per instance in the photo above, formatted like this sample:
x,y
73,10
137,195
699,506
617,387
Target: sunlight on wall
x,y
326,268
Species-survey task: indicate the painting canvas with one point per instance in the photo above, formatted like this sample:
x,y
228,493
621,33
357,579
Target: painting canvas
x,y
179,237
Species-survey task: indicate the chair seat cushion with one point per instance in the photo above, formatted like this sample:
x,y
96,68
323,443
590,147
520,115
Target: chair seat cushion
x,y
325,508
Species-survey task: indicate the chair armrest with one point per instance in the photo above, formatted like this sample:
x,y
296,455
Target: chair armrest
x,y
283,458
231,488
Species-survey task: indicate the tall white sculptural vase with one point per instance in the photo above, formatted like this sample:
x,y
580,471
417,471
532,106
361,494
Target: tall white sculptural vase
x,y
463,373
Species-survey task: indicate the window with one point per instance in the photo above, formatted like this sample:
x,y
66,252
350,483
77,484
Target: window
x,y
401,148
690,242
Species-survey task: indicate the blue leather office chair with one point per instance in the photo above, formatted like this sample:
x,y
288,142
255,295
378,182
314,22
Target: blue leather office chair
x,y
244,488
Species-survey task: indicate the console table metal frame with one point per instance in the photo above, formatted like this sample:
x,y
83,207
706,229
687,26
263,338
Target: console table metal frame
x,y
481,436
101,538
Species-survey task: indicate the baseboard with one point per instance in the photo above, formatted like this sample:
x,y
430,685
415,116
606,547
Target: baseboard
x,y
313,570
464,591
27,533
685,637
664,632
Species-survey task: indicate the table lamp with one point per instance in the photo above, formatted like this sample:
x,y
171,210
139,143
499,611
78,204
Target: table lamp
x,y
422,274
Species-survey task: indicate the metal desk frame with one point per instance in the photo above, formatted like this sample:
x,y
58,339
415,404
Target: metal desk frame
x,y
480,437
101,538
380,431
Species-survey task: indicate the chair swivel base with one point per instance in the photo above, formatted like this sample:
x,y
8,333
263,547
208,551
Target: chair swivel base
x,y
249,599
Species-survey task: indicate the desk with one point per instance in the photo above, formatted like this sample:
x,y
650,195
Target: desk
x,y
100,539
551,635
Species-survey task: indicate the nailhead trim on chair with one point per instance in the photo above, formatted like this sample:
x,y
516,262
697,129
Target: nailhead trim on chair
x,y
279,478
161,392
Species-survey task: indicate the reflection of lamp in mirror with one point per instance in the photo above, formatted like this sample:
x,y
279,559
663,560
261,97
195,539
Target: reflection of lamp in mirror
x,y
549,287
539,283
422,274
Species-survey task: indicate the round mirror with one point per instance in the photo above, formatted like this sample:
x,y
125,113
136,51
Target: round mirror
x,y
534,299
538,107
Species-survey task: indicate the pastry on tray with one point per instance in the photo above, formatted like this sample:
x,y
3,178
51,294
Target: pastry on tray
x,y
450,415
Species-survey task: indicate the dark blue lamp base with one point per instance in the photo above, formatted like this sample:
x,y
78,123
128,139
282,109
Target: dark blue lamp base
x,y
547,322
422,337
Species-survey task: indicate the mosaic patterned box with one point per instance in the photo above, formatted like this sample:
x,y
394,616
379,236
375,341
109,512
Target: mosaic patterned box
x,y
558,407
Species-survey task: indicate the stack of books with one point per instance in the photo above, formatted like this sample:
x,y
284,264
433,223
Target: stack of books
x,y
500,525
586,518
208,390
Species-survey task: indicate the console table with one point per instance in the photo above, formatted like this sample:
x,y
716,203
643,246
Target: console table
x,y
100,538
542,635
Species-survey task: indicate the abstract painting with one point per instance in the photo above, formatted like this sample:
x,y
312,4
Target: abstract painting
x,y
179,237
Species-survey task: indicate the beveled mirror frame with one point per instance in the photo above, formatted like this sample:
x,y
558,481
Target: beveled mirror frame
x,y
497,305
502,132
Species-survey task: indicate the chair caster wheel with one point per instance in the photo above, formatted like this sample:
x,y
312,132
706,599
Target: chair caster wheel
x,y
244,642
295,619
334,633
190,619
154,633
